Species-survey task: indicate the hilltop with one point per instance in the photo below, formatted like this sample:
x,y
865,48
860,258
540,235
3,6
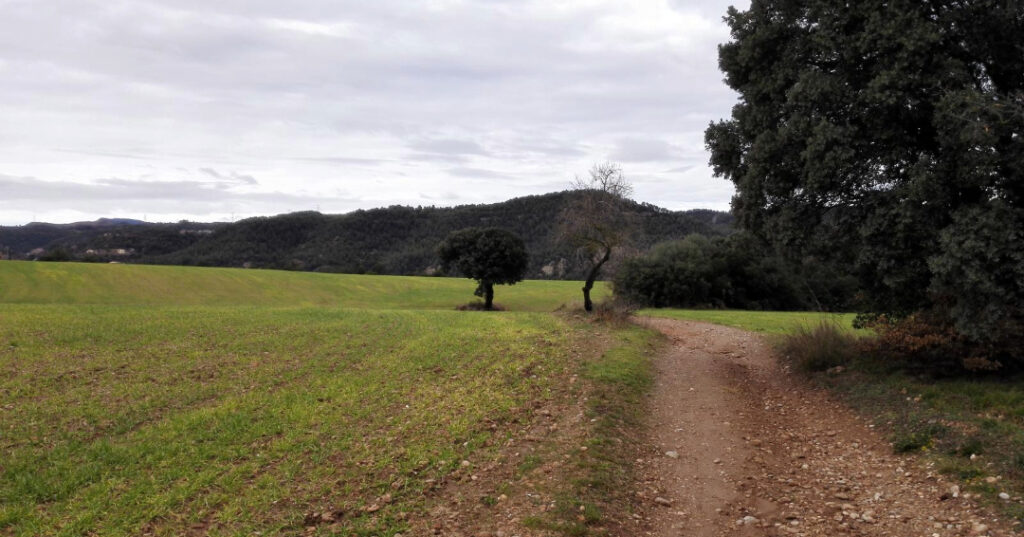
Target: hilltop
x,y
397,240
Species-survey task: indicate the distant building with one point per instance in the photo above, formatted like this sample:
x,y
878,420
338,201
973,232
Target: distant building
x,y
111,251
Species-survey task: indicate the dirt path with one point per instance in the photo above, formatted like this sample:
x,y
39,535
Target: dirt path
x,y
737,447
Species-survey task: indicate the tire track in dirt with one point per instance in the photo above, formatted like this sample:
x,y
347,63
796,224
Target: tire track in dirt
x,y
737,446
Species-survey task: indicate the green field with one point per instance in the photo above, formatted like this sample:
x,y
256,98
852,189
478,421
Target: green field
x,y
141,400
769,322
24,282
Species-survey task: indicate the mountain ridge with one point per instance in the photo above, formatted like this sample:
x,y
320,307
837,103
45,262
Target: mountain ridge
x,y
387,240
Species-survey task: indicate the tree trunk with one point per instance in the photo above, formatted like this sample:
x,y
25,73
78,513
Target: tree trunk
x,y
488,295
594,271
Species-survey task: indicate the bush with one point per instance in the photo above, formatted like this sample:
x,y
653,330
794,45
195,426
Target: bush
x,y
731,272
615,312
57,254
918,437
820,348
927,342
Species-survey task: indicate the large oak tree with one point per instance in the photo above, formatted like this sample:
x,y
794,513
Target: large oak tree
x,y
888,137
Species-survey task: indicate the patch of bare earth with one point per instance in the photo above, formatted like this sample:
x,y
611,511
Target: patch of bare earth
x,y
498,498
737,446
514,492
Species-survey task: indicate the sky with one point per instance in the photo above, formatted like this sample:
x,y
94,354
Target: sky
x,y
219,110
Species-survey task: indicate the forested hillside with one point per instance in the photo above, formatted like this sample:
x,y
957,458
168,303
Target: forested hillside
x,y
392,240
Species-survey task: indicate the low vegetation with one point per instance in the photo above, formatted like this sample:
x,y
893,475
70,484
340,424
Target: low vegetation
x,y
970,428
126,420
824,347
593,491
737,271
282,415
767,322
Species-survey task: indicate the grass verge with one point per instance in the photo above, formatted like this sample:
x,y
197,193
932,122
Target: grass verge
x,y
592,499
971,429
767,322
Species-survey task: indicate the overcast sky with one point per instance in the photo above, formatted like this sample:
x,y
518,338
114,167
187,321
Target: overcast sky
x,y
223,109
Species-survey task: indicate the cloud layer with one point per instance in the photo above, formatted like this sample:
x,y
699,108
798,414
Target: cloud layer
x,y
213,110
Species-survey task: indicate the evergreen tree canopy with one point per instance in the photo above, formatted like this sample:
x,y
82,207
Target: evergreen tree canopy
x,y
888,137
488,255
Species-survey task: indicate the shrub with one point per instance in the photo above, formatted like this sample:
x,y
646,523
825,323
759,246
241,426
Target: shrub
x,y
927,342
819,348
916,439
732,272
616,312
57,254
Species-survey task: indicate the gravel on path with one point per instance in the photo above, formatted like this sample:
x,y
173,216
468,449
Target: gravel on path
x,y
738,446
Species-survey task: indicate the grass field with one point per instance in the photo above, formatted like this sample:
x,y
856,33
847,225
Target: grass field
x,y
168,401
23,282
768,322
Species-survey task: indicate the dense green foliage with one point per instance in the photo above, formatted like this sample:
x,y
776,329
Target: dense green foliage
x,y
890,139
491,256
23,282
737,272
392,240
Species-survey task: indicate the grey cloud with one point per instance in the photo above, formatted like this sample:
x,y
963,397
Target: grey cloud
x,y
33,190
312,95
643,150
476,173
124,155
231,178
549,148
341,160
449,147
446,197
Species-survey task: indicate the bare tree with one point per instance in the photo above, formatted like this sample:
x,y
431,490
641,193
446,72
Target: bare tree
x,y
597,220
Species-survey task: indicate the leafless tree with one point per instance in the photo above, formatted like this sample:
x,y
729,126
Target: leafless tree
x,y
597,220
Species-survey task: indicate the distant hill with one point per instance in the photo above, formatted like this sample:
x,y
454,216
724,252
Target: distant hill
x,y
392,240
106,239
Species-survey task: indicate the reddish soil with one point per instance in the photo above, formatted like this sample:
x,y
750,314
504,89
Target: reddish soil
x,y
738,446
